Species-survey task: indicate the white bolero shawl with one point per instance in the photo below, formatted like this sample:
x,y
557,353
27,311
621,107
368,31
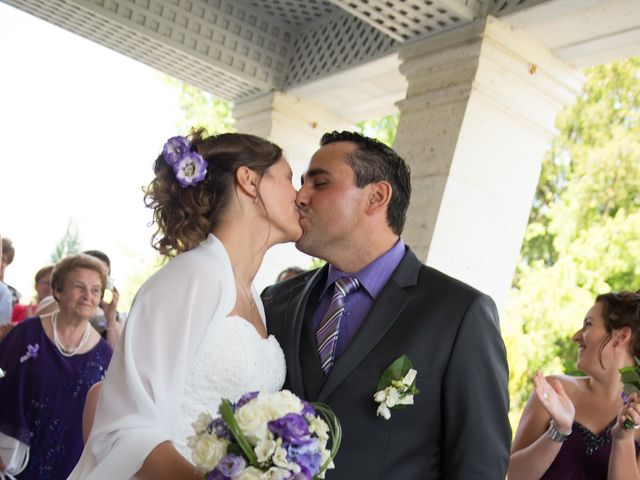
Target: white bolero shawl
x,y
140,399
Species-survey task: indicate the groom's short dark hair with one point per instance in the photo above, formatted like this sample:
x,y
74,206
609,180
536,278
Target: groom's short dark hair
x,y
372,162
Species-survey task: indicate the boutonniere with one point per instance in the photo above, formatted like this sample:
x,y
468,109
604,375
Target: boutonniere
x,y
397,387
2,373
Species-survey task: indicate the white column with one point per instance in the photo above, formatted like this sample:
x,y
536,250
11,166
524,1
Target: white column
x,y
479,113
296,126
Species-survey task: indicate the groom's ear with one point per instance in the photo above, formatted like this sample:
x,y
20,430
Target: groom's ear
x,y
247,181
379,196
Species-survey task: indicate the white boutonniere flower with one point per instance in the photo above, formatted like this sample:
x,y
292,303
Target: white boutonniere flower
x,y
397,387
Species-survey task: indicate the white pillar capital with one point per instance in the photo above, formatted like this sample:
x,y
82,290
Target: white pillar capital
x,y
479,112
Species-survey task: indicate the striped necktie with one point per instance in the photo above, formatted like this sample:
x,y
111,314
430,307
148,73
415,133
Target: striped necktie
x,y
327,333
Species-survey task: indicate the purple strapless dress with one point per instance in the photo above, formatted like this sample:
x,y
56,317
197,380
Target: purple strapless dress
x,y
583,456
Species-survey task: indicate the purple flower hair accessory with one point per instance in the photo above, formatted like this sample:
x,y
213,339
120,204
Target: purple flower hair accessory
x,y
174,149
189,167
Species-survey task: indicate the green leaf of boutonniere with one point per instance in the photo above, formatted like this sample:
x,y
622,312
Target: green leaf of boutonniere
x,y
396,371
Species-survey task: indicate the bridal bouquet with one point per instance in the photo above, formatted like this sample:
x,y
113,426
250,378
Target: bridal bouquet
x,y
266,436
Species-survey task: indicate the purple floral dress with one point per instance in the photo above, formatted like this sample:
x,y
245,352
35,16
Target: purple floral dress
x,y
42,397
584,455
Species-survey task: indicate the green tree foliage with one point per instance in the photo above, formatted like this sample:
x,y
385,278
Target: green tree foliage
x,y
583,236
201,109
69,244
383,129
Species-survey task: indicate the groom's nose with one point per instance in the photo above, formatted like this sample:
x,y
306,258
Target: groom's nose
x,y
302,198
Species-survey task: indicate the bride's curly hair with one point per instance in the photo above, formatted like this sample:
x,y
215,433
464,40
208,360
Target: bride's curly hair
x,y
185,216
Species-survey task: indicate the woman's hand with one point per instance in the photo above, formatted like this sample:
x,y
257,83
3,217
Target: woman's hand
x,y
556,402
630,410
110,309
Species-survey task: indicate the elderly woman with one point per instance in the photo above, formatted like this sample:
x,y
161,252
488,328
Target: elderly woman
x,y
49,364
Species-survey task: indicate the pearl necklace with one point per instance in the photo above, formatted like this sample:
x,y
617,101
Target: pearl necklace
x,y
68,352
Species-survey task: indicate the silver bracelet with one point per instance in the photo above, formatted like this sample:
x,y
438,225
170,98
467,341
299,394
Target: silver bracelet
x,y
555,435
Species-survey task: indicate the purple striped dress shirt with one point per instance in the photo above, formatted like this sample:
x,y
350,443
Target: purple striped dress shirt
x,y
372,279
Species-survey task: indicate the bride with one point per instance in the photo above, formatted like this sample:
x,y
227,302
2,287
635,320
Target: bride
x,y
196,331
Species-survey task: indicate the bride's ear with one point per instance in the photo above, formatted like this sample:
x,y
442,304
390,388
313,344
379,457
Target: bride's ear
x,y
247,181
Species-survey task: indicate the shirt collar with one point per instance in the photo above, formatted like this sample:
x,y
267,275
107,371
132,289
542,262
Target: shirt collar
x,y
374,276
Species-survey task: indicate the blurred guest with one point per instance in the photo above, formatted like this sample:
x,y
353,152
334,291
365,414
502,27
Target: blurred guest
x,y
5,299
106,320
8,253
50,364
43,290
288,273
565,431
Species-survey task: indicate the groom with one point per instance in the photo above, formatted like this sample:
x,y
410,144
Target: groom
x,y
341,326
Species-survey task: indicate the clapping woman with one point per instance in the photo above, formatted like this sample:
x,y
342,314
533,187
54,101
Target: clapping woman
x,y
50,363
566,428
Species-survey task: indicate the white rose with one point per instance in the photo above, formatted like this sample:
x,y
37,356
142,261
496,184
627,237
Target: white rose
x,y
201,423
278,404
265,449
191,441
208,451
249,473
252,420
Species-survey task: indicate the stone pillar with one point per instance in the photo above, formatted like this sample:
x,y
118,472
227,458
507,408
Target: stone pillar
x,y
296,126
478,115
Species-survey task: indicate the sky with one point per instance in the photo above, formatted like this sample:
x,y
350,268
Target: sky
x,y
80,127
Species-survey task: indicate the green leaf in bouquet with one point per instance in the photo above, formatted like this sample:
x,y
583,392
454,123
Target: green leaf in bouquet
x,y
335,433
396,371
226,412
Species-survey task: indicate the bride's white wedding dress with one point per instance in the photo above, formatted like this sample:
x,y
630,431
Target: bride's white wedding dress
x,y
236,360
181,352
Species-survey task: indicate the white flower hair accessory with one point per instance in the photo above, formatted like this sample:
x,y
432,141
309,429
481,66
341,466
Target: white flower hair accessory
x,y
396,388
189,167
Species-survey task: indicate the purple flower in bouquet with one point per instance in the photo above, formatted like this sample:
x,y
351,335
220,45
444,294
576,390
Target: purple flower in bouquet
x,y
174,148
220,429
231,465
307,409
307,455
292,428
246,398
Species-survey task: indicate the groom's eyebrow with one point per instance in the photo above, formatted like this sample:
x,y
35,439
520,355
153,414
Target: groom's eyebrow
x,y
314,173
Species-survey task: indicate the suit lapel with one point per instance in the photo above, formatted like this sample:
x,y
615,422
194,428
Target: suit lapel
x,y
296,313
385,311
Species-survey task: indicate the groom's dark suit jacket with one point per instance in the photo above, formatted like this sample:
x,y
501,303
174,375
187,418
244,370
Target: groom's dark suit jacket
x,y
457,428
